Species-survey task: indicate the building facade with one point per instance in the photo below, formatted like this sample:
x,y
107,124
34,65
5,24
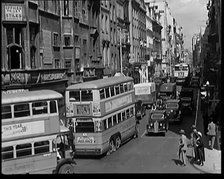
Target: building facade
x,y
50,44
87,62
123,36
105,36
31,57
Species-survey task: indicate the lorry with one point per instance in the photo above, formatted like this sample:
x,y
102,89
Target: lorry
x,y
146,92
167,91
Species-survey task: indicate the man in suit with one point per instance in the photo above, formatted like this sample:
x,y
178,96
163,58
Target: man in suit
x,y
211,133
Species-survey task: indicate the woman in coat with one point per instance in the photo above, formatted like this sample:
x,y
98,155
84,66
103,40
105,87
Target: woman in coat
x,y
182,147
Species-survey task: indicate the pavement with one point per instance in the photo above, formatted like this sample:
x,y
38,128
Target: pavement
x,y
212,162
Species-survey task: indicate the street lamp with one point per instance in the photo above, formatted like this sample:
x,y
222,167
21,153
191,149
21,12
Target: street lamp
x,y
207,88
207,95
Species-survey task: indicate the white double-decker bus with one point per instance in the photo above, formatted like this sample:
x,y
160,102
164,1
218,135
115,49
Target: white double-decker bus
x,y
30,125
103,112
181,71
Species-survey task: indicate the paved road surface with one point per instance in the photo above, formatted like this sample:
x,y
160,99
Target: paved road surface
x,y
146,154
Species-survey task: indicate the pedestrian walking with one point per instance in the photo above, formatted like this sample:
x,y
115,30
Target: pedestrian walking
x,y
182,147
71,138
194,136
201,151
211,133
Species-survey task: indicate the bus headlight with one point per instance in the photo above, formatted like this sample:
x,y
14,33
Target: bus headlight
x,y
160,124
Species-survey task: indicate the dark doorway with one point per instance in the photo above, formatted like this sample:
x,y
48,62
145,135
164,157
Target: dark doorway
x,y
15,57
32,57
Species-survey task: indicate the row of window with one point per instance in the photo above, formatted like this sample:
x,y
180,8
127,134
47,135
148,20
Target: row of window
x,y
26,149
106,123
117,118
87,95
29,109
115,90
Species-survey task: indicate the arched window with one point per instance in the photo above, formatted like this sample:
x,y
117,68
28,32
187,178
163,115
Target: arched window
x,y
15,51
15,56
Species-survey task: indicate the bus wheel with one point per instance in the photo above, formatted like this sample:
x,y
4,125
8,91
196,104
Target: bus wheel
x,y
111,146
66,169
117,142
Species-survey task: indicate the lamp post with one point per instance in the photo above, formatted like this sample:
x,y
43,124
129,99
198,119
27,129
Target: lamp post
x,y
207,95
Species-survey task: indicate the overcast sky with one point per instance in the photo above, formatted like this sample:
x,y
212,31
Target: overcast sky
x,y
191,15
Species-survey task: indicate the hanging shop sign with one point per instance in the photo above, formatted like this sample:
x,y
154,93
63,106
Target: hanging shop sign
x,y
13,13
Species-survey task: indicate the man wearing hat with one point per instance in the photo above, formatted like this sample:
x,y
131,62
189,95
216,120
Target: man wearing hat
x,y
182,147
201,152
194,136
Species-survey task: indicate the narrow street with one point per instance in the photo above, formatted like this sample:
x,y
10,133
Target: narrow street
x,y
145,154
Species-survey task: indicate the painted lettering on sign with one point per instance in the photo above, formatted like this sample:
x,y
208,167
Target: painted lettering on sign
x,y
13,13
83,109
21,129
15,91
96,109
52,76
117,103
142,90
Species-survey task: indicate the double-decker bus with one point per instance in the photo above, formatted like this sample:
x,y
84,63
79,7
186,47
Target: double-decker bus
x,y
182,75
181,72
30,125
103,112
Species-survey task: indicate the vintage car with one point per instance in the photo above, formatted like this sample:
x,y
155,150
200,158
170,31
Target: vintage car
x,y
186,99
195,82
157,122
167,91
173,110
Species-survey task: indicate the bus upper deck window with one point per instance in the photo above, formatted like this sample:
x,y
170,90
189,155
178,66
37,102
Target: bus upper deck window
x,y
86,95
131,112
21,110
112,92
105,124
117,89
6,112
53,107
128,113
123,115
109,122
102,94
119,117
74,95
130,86
121,88
114,120
125,87
107,92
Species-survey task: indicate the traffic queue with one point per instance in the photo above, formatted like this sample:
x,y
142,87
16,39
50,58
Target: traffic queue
x,y
166,102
